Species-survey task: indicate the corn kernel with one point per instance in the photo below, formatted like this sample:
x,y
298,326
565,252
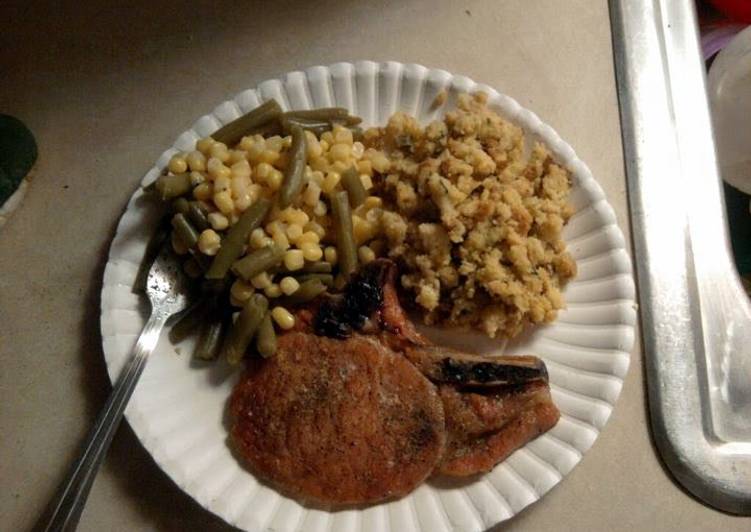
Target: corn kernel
x,y
358,149
316,228
328,138
280,239
254,149
217,168
294,231
381,163
308,237
204,145
269,156
218,221
365,254
262,171
283,318
330,182
221,183
371,202
240,169
274,180
223,202
237,156
342,135
219,151
272,290
245,143
203,191
289,285
311,251
261,281
196,178
294,259
292,215
287,141
362,229
367,181
314,147
312,193
243,202
209,242
329,255
177,164
274,143
241,290
196,161
258,238
365,167
235,302
178,245
320,209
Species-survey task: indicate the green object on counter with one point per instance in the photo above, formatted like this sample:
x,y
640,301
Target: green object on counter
x,y
18,153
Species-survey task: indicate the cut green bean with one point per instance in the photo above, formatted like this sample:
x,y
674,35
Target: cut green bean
x,y
294,173
325,278
184,230
189,322
313,267
324,114
243,330
197,216
210,341
345,240
353,185
234,243
308,291
266,337
180,205
258,261
231,133
316,127
172,186
158,240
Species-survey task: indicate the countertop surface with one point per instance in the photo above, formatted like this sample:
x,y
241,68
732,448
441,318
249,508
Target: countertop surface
x,y
106,89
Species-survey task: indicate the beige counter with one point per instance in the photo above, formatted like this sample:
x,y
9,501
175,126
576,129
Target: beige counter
x,y
106,89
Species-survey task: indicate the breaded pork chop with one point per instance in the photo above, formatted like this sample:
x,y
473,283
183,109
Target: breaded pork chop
x,y
338,421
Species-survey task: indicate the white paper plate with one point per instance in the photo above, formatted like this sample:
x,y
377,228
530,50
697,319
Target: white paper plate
x,y
177,410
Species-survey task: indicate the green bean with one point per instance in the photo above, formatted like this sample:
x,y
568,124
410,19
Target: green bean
x,y
325,114
314,126
353,185
210,341
231,133
180,205
308,291
172,186
258,261
243,330
267,130
293,174
184,230
197,216
325,278
313,267
158,239
266,338
345,240
188,322
234,242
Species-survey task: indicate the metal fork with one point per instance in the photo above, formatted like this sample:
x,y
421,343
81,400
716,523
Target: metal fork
x,y
167,290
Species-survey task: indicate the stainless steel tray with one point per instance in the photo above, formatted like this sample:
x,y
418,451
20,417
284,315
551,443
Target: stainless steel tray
x,y
696,318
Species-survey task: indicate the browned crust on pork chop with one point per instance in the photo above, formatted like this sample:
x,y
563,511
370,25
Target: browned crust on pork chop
x,y
338,421
484,429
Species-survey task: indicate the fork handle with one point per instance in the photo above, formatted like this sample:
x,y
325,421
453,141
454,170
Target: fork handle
x,y
74,491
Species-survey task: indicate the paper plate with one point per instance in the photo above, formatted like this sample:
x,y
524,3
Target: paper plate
x,y
177,410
